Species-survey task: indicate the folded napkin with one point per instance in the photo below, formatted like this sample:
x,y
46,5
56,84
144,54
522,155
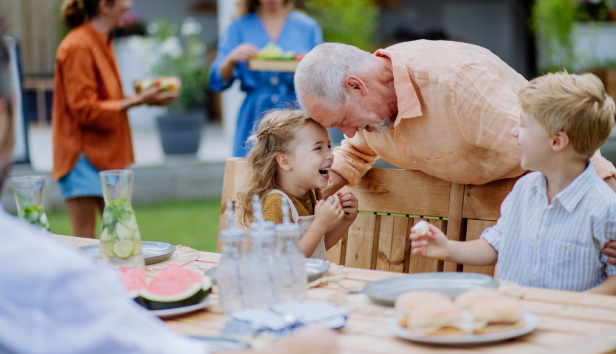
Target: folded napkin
x,y
285,317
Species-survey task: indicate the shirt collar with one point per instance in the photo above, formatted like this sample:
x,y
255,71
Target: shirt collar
x,y
573,193
409,105
103,40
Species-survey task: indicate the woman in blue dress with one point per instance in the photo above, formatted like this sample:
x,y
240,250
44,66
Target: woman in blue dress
x,y
260,22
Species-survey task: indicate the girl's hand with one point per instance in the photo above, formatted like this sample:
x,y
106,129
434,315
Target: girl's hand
x,y
243,53
327,213
349,205
434,244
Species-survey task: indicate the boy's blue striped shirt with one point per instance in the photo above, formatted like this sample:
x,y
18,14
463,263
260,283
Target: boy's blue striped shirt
x,y
555,246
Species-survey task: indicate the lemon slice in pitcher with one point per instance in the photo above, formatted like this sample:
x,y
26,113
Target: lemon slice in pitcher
x,y
123,248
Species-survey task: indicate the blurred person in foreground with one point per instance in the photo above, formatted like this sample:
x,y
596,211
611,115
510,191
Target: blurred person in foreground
x,y
54,300
260,22
90,126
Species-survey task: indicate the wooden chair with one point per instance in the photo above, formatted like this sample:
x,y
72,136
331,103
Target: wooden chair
x,y
391,201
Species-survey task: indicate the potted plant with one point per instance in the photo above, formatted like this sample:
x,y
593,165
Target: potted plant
x,y
181,56
559,36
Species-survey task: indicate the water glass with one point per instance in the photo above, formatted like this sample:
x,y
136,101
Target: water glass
x,y
291,260
230,272
263,276
120,240
29,194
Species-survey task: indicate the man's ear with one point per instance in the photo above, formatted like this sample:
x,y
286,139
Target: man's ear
x,y
283,162
560,141
355,85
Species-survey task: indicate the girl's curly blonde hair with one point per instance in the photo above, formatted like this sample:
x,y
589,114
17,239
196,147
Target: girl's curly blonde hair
x,y
277,134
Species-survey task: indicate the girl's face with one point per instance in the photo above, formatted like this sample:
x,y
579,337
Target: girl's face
x,y
271,4
312,157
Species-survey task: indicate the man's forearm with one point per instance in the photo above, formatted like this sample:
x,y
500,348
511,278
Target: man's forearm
x,y
476,252
608,287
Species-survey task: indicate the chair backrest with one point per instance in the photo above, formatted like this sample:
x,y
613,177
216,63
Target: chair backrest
x,y
391,201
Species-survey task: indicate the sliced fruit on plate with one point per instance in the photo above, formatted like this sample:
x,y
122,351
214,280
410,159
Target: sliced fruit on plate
x,y
174,287
134,280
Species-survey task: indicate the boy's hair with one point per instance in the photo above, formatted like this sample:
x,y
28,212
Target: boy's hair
x,y
574,104
276,135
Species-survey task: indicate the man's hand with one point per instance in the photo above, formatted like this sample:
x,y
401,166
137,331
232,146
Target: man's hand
x,y
350,205
611,181
335,183
610,251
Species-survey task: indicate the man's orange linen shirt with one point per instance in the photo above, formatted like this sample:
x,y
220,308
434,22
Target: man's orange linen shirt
x,y
86,114
457,104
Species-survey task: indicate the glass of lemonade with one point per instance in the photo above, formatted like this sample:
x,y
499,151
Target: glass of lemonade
x,y
29,194
120,241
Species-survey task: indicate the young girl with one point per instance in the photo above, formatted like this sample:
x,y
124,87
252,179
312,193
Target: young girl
x,y
291,159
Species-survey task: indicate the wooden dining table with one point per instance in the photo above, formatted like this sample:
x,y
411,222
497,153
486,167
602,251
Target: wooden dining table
x,y
569,322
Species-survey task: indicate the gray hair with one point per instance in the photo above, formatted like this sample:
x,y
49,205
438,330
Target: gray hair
x,y
321,73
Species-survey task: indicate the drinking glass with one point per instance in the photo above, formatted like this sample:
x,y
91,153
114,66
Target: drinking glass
x,y
263,277
29,194
231,270
120,240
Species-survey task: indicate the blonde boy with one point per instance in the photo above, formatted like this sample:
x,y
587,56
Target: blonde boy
x,y
555,221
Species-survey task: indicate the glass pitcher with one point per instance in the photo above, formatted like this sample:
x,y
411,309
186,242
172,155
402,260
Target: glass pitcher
x,y
29,194
120,241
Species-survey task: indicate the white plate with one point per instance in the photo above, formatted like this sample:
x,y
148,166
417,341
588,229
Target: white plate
x,y
178,311
468,339
452,284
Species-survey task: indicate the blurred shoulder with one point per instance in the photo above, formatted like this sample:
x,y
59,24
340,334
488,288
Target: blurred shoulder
x,y
77,40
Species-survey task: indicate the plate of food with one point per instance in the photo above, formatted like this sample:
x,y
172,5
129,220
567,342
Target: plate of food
x,y
386,291
478,316
153,252
173,292
171,83
273,58
315,268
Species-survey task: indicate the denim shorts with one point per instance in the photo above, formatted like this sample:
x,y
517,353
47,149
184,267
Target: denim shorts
x,y
82,181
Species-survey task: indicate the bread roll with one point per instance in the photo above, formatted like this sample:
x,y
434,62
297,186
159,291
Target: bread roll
x,y
407,302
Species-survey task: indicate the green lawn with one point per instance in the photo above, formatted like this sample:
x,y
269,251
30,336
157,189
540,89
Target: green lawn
x,y
192,223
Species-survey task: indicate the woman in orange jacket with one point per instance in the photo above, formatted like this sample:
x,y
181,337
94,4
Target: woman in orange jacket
x,y
90,126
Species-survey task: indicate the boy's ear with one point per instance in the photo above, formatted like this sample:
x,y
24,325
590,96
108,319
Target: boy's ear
x,y
560,141
283,162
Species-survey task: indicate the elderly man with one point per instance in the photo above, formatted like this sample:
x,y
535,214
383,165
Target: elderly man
x,y
52,300
445,108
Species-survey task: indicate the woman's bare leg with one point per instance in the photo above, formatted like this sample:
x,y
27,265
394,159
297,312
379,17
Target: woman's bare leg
x,y
82,213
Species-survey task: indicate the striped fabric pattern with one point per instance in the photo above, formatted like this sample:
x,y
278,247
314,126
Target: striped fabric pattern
x,y
555,246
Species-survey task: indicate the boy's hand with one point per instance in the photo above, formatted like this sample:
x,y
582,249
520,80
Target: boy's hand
x,y
349,205
434,244
328,212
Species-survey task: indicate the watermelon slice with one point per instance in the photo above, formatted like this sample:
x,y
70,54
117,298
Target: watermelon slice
x,y
134,280
175,286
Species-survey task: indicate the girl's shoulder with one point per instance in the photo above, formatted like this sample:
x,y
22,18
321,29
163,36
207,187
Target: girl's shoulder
x,y
272,208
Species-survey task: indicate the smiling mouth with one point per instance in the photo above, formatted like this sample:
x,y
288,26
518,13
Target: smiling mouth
x,y
324,172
